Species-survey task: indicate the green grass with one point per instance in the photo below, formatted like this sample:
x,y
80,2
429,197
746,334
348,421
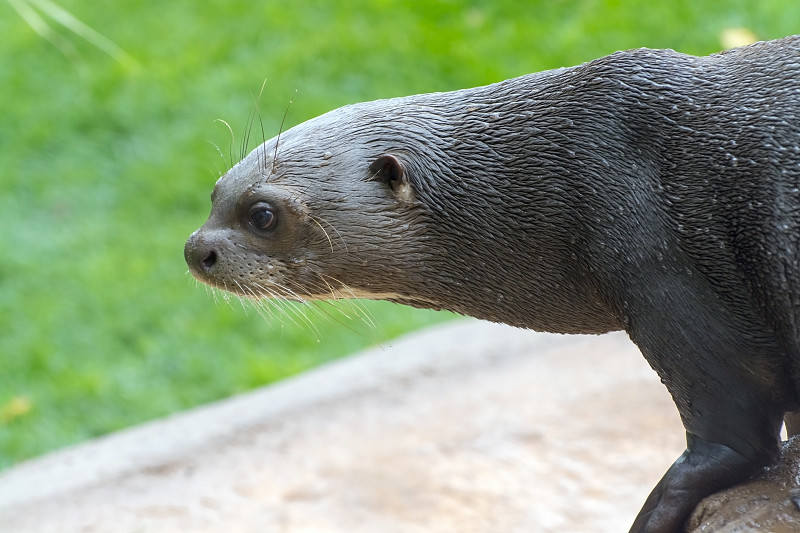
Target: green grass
x,y
107,168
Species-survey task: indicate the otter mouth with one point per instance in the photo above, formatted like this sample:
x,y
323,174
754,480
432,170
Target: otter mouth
x,y
258,292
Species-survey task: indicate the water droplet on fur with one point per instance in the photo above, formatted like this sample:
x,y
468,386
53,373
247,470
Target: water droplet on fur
x,y
327,155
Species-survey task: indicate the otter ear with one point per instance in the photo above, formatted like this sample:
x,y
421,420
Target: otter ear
x,y
388,170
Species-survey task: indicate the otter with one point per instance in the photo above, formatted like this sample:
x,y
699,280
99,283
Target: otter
x,y
648,191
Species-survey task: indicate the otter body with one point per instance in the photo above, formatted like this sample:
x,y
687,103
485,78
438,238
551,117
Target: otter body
x,y
648,191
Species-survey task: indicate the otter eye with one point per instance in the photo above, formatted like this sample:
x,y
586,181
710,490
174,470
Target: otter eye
x,y
262,218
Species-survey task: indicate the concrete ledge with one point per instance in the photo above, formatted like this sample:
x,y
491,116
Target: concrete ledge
x,y
466,427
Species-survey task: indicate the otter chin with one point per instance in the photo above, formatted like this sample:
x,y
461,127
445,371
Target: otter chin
x,y
648,191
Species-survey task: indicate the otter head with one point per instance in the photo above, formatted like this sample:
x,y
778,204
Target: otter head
x,y
325,215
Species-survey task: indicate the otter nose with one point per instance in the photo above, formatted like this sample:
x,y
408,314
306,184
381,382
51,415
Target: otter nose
x,y
199,255
209,260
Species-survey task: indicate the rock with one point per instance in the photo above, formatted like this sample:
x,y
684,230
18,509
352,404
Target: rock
x,y
764,504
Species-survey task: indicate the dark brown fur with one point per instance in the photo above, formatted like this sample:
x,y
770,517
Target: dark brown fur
x,y
648,191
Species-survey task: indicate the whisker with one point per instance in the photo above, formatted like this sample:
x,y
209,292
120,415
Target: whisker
x,y
241,300
233,138
251,120
270,301
317,306
261,125
359,308
316,220
293,306
261,306
278,140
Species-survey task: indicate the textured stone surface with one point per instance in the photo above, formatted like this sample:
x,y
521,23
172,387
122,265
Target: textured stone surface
x,y
764,504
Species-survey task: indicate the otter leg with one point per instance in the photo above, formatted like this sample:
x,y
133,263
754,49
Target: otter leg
x,y
732,419
704,468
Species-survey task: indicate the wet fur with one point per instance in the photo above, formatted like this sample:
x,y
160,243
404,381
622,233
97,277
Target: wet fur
x,y
648,191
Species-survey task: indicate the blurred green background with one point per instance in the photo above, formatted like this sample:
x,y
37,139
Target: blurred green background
x,y
108,163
